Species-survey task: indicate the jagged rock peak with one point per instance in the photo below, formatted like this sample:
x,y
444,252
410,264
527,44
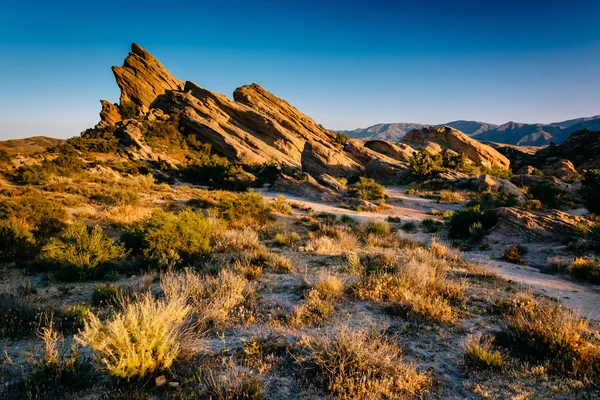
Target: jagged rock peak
x,y
142,78
109,116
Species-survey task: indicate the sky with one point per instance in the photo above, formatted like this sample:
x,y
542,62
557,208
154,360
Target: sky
x,y
347,64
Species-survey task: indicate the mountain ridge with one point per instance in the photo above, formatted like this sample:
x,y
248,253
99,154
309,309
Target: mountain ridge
x,y
514,133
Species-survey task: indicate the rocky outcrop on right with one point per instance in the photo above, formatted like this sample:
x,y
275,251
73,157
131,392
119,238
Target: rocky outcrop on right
x,y
397,151
437,139
582,149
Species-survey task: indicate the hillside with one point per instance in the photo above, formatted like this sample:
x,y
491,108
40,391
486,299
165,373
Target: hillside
x,y
29,145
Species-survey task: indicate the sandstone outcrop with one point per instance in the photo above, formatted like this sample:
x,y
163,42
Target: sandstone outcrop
x,y
142,78
488,182
397,151
536,225
109,116
306,186
437,139
318,159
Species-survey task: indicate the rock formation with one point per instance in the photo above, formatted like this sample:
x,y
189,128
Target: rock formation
x,y
109,116
397,151
142,79
437,139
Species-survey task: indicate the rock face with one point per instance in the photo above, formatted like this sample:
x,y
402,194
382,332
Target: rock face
x,y
142,79
536,225
438,139
305,185
318,159
397,151
109,115
489,182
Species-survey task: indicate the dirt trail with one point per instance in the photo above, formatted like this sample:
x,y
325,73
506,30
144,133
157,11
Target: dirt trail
x,y
413,208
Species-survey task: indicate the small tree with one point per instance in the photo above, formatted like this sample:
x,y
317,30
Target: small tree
x,y
424,164
368,189
591,190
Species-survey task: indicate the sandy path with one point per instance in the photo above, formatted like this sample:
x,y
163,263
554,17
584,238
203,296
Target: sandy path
x,y
413,208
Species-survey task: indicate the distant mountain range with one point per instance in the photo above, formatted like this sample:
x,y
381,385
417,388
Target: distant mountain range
x,y
510,133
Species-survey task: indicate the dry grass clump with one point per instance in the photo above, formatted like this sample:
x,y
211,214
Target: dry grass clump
x,y
126,214
320,299
558,263
286,238
545,331
281,205
450,196
233,382
587,269
326,245
146,336
141,182
266,259
237,240
480,352
514,254
211,299
414,283
445,214
361,364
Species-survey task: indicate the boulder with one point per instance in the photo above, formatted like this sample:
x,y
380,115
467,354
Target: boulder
x,y
526,170
332,183
564,169
306,186
142,79
437,139
488,182
553,225
386,172
397,151
109,116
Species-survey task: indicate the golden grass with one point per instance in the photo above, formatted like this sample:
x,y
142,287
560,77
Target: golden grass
x,y
450,196
211,299
237,240
319,300
326,245
361,364
126,214
480,352
146,336
548,331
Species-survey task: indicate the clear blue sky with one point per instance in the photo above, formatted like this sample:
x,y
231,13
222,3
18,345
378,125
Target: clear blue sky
x,y
347,64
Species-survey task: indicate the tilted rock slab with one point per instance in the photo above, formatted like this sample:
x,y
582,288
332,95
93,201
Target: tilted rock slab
x,y
433,138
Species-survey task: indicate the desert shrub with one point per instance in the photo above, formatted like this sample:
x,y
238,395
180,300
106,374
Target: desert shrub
x,y
591,190
462,222
81,252
361,364
4,157
341,138
587,269
235,382
319,300
54,372
424,164
286,239
409,227
16,241
458,161
237,240
205,168
170,239
125,197
103,141
368,189
18,316
211,299
378,227
548,194
42,216
105,294
548,332
249,208
65,165
343,243
432,226
514,254
480,352
450,196
281,205
146,336
499,172
128,109
534,204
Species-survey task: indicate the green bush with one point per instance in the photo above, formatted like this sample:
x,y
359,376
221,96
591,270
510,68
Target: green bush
x,y
249,208
128,109
368,189
64,165
455,161
469,221
170,239
42,216
102,141
16,241
105,294
591,190
126,197
432,226
514,254
587,269
550,195
342,138
499,172
424,164
81,252
204,168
